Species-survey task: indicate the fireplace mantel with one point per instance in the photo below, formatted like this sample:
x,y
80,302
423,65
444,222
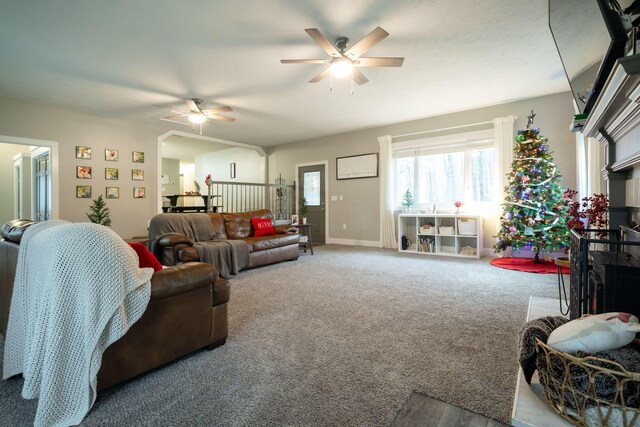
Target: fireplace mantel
x,y
617,110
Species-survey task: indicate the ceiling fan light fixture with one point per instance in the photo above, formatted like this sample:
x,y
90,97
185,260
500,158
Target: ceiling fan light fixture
x,y
197,118
341,67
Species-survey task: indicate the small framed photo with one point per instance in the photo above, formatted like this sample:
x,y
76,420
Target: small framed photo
x,y
83,191
138,192
294,220
137,156
111,155
83,152
110,173
137,174
113,192
83,172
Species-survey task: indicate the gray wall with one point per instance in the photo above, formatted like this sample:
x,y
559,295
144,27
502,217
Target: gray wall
x,y
171,167
249,165
70,128
359,208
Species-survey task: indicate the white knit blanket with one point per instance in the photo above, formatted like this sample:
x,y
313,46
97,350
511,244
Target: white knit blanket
x,y
77,289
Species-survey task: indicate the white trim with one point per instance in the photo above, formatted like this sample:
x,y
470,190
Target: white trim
x,y
326,190
350,242
55,167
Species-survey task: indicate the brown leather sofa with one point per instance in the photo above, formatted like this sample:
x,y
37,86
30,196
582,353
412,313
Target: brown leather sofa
x,y
187,312
177,246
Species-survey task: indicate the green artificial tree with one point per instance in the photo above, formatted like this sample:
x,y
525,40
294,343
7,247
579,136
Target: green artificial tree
x,y
99,212
407,199
534,210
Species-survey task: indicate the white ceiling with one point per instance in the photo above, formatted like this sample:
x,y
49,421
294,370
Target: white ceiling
x,y
119,58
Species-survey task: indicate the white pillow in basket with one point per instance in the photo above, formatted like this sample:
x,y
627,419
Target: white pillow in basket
x,y
594,333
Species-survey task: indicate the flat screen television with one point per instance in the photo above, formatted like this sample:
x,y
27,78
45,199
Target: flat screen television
x,y
589,35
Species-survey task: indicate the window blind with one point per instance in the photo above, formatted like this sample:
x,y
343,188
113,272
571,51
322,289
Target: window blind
x,y
444,144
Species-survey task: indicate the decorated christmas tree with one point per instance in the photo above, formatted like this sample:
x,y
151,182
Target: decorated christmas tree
x,y
99,212
534,211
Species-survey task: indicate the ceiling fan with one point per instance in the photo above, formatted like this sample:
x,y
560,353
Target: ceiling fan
x,y
344,63
197,115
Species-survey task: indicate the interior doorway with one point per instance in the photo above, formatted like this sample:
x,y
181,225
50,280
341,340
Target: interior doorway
x,y
312,186
29,168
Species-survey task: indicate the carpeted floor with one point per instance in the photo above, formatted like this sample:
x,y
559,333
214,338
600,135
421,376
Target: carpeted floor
x,y
340,338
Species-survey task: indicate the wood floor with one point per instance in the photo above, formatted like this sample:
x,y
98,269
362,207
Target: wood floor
x,y
424,411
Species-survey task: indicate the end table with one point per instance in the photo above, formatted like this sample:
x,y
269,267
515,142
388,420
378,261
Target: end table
x,y
305,230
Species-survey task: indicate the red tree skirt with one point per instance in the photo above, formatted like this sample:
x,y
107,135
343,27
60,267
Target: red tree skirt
x,y
527,265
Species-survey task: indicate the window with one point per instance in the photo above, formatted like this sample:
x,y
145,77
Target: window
x,y
312,188
446,169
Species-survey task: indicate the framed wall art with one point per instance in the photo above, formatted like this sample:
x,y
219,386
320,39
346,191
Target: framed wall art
x,y
83,191
83,172
110,173
113,192
137,174
360,166
137,157
111,155
83,152
138,192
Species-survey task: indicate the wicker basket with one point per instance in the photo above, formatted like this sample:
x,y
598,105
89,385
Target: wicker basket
x,y
579,403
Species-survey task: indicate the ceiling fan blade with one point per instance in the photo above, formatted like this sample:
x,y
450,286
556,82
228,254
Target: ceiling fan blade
x,y
305,61
358,77
366,43
175,115
221,118
321,75
184,113
378,62
323,42
192,105
216,110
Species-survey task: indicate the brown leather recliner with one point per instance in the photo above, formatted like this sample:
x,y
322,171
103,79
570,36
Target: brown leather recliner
x,y
187,312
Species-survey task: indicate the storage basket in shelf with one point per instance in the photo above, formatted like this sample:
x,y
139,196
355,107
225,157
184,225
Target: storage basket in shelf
x,y
445,230
467,226
427,229
582,406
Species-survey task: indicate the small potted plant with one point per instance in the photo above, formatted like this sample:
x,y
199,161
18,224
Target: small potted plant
x,y
99,213
195,183
303,210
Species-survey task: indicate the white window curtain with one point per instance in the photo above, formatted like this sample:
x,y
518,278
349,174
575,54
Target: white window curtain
x,y
504,137
388,237
590,161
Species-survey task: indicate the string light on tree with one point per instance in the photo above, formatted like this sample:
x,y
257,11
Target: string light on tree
x,y
534,211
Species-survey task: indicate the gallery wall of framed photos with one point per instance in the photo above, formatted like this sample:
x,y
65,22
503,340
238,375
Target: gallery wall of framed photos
x,y
124,173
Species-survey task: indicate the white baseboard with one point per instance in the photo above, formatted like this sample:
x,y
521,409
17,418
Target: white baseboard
x,y
369,243
488,252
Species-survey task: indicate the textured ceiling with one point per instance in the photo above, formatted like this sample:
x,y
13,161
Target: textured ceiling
x,y
119,58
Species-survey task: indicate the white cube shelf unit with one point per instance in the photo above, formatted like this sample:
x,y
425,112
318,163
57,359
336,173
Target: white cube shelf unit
x,y
441,234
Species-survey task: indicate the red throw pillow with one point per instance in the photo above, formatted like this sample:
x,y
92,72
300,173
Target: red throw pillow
x,y
146,258
262,227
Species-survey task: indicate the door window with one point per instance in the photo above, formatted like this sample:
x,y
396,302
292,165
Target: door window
x,y
312,188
